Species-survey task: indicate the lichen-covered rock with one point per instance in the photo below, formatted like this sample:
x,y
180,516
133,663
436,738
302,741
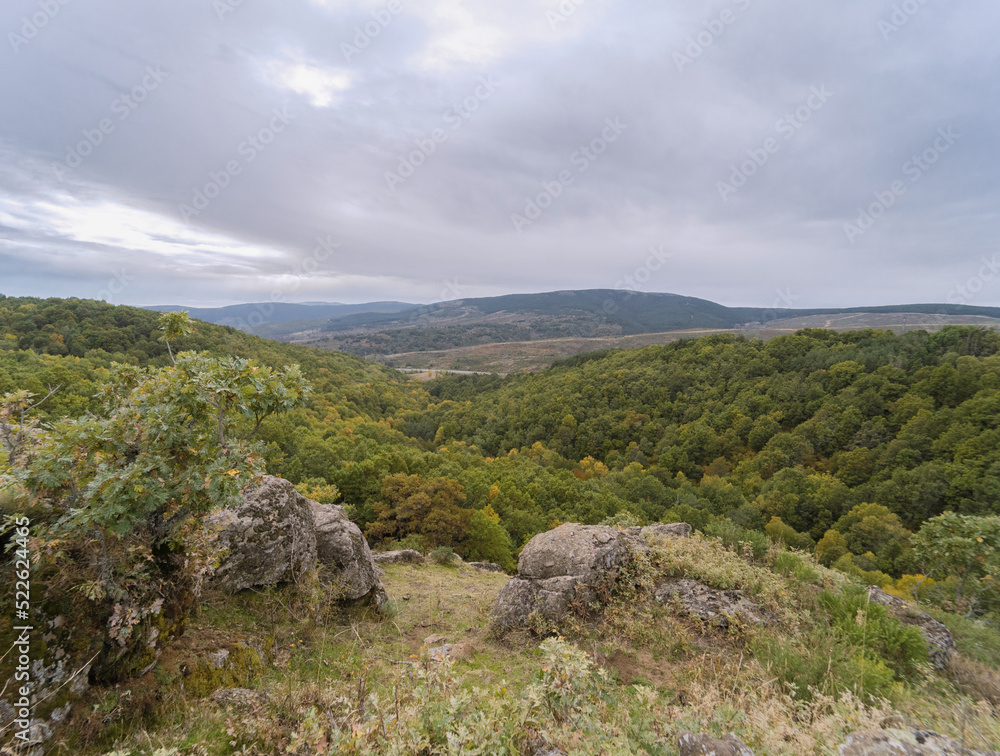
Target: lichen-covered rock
x,y
270,538
691,744
559,567
673,530
939,639
401,556
344,555
710,604
904,743
586,552
486,566
238,698
277,534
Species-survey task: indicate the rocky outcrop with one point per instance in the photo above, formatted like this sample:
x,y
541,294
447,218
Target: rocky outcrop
x,y
270,538
343,554
710,605
486,566
559,567
940,642
690,744
402,556
277,535
904,743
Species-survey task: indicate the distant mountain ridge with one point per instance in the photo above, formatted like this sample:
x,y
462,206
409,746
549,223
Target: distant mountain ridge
x,y
390,328
252,315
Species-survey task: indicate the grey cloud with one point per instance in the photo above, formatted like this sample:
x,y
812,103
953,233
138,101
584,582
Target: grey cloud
x,y
325,174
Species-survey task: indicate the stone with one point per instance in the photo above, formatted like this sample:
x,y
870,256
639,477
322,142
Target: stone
x,y
940,642
277,535
219,659
270,538
344,555
691,744
514,604
559,567
486,566
673,530
440,653
710,605
402,556
240,698
904,743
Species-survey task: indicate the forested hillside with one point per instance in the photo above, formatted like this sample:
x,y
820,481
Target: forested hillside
x,y
841,443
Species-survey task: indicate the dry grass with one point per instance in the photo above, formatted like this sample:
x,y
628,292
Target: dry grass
x,y
334,670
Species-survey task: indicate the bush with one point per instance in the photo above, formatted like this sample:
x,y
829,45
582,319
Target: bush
x,y
444,555
788,564
869,627
696,518
786,534
739,539
823,665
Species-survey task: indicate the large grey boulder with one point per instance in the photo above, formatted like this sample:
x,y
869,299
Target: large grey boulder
x,y
343,554
710,605
401,556
559,567
940,642
904,743
690,744
277,535
270,538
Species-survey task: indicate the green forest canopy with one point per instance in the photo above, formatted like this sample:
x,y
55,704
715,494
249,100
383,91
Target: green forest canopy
x,y
806,428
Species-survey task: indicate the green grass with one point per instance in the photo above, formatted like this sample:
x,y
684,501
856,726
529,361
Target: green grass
x,y
975,640
625,681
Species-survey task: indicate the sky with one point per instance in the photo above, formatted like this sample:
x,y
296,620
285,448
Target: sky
x,y
751,152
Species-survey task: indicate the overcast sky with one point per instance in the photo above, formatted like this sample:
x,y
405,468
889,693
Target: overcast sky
x,y
772,153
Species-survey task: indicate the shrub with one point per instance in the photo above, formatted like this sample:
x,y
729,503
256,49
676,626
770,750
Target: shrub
x,y
823,665
788,564
739,539
444,555
878,636
788,535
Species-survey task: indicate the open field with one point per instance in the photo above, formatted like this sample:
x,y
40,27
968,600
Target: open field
x,y
531,356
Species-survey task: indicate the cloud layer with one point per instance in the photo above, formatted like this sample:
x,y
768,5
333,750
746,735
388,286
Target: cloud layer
x,y
215,151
